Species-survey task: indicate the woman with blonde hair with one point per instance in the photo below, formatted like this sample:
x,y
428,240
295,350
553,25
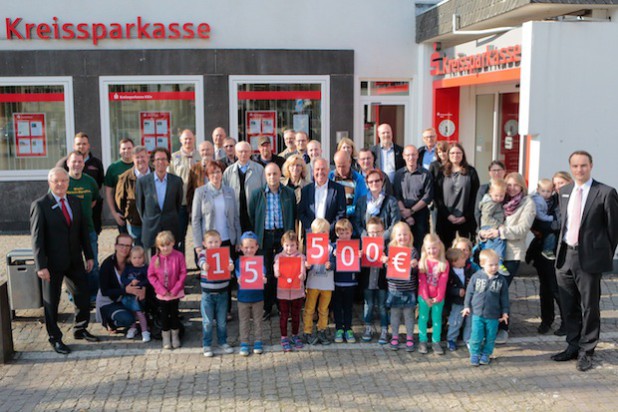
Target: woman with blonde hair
x,y
347,145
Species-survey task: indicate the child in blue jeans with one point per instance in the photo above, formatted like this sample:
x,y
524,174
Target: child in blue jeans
x,y
214,299
458,279
487,299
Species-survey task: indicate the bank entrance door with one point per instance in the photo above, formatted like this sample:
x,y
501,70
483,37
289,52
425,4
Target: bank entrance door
x,y
497,131
384,102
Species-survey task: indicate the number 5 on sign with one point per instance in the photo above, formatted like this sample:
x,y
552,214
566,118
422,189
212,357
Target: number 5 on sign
x,y
218,261
372,251
317,248
252,272
399,263
347,255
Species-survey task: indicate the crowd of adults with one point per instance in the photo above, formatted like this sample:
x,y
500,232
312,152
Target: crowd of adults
x,y
222,186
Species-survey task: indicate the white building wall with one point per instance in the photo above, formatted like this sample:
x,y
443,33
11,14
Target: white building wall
x,y
569,96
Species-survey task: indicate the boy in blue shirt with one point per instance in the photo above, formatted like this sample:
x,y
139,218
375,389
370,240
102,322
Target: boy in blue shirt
x,y
487,298
250,301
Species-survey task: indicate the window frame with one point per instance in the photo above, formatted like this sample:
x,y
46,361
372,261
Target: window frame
x,y
67,83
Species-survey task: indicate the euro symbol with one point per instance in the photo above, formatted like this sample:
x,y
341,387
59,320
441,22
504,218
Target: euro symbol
x,y
398,261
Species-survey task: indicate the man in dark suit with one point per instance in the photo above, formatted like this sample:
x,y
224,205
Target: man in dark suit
x,y
389,156
158,200
324,198
589,234
59,237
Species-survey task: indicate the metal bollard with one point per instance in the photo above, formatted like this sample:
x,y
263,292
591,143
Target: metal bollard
x,y
6,332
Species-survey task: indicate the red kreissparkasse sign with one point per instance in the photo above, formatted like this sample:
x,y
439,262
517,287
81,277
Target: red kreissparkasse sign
x,y
17,29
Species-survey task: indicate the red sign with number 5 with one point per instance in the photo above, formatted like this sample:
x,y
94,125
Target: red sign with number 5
x,y
251,272
372,252
347,255
317,248
218,261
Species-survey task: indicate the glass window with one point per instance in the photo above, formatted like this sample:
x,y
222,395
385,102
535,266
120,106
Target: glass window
x,y
33,128
270,108
151,114
385,88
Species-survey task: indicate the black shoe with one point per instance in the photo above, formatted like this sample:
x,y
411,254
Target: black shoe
x,y
84,334
60,347
561,331
584,362
266,315
564,356
543,329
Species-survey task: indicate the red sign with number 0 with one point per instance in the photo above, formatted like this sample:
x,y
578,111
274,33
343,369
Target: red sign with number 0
x,y
348,255
372,251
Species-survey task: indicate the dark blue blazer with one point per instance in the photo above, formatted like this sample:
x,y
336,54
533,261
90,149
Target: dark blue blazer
x,y
335,205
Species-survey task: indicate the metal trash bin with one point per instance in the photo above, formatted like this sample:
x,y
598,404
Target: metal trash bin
x,y
24,284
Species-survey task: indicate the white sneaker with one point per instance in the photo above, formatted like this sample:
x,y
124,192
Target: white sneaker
x,y
146,336
131,333
227,348
502,337
208,352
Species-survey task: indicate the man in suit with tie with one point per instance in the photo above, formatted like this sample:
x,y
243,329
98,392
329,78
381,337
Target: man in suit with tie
x,y
589,234
324,198
388,156
158,197
59,241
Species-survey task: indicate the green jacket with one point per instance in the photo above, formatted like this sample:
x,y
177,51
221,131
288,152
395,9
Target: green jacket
x,y
257,210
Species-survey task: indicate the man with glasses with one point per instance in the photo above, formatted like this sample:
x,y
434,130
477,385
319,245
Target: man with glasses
x,y
301,145
158,200
229,145
413,188
427,153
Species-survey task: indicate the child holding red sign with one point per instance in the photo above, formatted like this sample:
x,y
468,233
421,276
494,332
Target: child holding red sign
x,y
250,297
167,274
345,288
401,298
214,296
320,286
375,289
290,292
432,281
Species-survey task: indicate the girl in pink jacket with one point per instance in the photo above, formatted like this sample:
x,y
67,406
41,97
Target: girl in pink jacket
x,y
432,280
167,274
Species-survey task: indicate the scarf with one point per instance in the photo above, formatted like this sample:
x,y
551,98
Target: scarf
x,y
374,205
512,204
213,190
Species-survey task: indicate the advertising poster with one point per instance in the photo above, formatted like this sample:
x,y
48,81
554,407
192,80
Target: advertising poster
x,y
261,123
155,130
30,135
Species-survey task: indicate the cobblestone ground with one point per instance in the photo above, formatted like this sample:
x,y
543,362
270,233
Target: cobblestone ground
x,y
117,374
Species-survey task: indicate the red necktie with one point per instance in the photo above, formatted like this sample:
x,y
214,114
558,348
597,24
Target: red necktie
x,y
576,219
65,212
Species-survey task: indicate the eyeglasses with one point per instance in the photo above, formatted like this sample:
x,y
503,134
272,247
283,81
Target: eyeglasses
x,y
160,159
375,234
123,245
495,170
371,182
227,146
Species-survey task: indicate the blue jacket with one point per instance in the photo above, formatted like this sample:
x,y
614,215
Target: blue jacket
x,y
335,205
389,213
360,190
487,297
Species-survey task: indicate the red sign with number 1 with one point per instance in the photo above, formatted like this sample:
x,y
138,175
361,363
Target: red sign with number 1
x,y
251,272
218,261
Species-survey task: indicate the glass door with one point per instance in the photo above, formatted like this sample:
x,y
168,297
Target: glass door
x,y
384,102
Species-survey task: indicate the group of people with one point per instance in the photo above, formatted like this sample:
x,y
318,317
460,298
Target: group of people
x,y
424,202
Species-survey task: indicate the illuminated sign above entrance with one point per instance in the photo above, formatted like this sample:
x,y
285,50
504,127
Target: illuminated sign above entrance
x,y
16,29
492,58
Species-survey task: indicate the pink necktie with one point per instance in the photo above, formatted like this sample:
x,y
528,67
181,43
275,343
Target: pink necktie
x,y
65,212
576,219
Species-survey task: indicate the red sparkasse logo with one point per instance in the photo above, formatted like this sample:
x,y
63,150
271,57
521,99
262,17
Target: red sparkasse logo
x,y
17,29
492,57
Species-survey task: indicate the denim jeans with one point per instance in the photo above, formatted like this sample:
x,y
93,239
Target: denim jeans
x,y
375,298
136,233
496,244
455,322
214,309
93,276
483,337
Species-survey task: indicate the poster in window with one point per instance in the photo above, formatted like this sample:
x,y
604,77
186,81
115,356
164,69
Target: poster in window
x,y
30,135
155,130
301,123
261,123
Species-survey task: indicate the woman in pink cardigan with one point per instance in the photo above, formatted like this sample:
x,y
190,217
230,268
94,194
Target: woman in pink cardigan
x,y
167,274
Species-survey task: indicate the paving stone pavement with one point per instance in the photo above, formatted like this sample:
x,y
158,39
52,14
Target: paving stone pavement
x,y
117,374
